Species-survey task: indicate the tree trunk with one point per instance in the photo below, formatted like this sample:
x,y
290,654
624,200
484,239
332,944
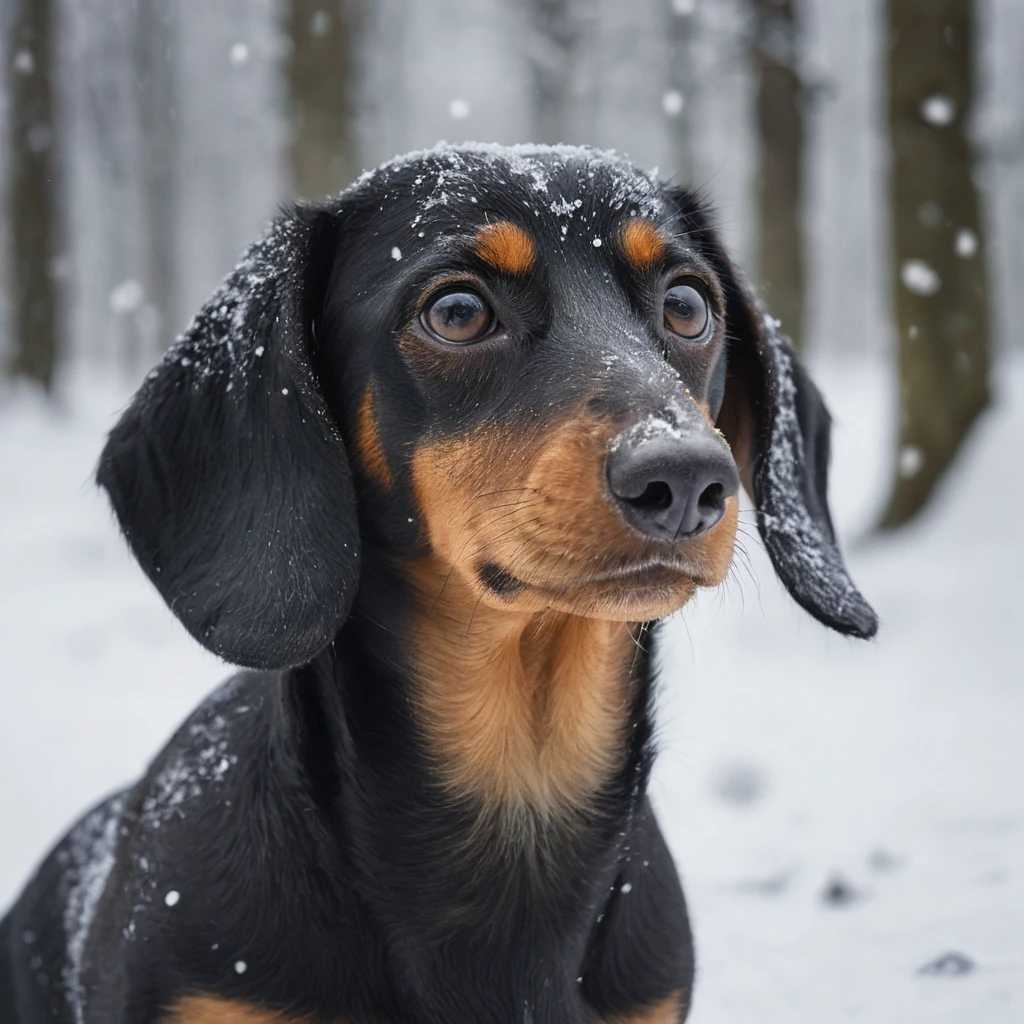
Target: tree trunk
x,y
155,46
678,100
940,284
320,83
559,34
31,194
780,179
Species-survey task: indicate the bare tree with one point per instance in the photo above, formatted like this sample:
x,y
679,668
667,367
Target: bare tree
x,y
780,179
31,193
155,44
940,281
555,38
321,69
677,102
559,36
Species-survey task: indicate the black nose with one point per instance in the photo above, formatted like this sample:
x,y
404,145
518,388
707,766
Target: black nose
x,y
672,487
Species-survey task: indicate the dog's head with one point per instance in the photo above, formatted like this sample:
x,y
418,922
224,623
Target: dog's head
x,y
536,366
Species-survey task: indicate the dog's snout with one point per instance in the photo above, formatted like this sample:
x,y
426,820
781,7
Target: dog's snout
x,y
670,487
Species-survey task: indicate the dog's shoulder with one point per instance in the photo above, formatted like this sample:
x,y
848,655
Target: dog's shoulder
x,y
125,881
200,765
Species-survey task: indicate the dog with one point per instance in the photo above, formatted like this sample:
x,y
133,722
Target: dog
x,y
430,465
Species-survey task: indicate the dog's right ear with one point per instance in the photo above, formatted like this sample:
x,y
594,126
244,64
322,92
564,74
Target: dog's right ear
x,y
227,471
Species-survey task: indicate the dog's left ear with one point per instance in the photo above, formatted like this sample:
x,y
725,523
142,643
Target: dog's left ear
x,y
227,471
777,425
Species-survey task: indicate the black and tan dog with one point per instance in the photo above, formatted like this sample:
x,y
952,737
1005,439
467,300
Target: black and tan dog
x,y
431,462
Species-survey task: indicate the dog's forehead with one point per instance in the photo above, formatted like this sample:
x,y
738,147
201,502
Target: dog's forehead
x,y
575,189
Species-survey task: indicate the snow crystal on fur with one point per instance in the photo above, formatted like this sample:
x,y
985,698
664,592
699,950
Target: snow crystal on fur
x,y
89,859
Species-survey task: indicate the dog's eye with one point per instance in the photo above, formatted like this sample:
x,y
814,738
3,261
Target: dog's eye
x,y
686,310
460,317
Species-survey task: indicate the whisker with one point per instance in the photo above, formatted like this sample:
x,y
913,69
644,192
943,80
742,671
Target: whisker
x,y
521,501
472,616
469,540
518,526
748,567
507,490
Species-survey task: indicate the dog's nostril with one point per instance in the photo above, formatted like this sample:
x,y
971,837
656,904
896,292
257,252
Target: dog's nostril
x,y
712,499
656,495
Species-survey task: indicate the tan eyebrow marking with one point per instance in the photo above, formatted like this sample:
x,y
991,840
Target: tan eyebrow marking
x,y
642,243
507,247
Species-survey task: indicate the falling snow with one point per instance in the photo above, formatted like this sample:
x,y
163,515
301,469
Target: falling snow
x,y
24,62
938,110
966,244
320,24
920,277
672,102
127,297
910,461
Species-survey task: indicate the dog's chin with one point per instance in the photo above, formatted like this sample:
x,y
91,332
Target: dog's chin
x,y
619,603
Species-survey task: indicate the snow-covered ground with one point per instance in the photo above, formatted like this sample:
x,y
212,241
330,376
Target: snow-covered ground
x,y
843,814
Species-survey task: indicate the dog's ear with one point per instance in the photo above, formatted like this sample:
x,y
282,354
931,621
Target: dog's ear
x,y
779,429
227,471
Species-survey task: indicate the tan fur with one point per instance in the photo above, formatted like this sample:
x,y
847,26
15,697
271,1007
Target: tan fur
x,y
522,711
641,243
537,506
215,1010
668,1011
736,424
507,247
368,443
523,696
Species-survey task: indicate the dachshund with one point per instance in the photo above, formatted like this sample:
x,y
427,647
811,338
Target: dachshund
x,y
430,466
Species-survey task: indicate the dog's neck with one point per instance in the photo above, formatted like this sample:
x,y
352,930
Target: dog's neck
x,y
487,771
522,713
511,719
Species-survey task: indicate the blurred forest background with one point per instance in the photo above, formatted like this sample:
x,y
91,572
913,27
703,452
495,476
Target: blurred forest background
x,y
865,157
848,818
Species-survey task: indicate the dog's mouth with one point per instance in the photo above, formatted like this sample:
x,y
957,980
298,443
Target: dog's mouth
x,y
628,583
636,590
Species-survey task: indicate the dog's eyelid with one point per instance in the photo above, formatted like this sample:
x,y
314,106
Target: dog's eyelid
x,y
692,270
451,281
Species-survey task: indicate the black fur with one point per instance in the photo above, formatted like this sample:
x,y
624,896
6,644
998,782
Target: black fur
x,y
228,474
293,846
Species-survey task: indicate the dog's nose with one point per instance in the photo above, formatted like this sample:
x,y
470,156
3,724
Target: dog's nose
x,y
672,487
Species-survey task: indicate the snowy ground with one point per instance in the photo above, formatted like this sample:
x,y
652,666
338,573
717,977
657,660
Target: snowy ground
x,y
795,765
